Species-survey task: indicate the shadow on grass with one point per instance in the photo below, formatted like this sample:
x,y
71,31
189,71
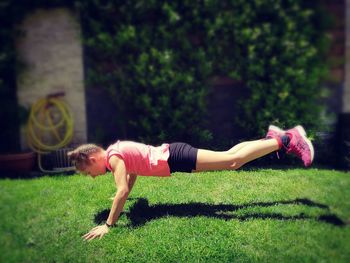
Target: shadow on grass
x,y
141,212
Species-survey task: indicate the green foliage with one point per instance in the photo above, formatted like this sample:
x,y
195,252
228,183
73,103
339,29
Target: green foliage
x,y
283,66
155,59
142,53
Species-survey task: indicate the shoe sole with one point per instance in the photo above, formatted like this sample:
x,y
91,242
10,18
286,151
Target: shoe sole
x,y
302,132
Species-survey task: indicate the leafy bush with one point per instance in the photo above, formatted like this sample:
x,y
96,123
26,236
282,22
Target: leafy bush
x,y
283,66
144,54
155,59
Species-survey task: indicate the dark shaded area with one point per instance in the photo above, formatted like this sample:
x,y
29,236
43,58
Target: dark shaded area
x,y
223,111
32,175
102,128
29,168
343,141
19,175
9,110
141,212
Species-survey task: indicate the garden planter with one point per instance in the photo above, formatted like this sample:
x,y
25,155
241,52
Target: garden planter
x,y
17,162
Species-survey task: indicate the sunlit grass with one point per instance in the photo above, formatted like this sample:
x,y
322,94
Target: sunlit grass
x,y
260,215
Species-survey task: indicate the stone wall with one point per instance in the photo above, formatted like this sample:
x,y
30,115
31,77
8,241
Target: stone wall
x,y
51,52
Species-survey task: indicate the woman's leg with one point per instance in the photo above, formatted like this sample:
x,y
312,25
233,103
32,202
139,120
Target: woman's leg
x,y
236,156
239,146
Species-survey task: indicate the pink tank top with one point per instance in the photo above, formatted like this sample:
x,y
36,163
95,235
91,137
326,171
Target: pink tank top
x,y
141,159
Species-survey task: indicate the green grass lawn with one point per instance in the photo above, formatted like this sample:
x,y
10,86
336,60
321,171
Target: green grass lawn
x,y
247,216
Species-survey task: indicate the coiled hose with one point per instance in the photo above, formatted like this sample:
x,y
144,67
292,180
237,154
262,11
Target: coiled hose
x,y
50,126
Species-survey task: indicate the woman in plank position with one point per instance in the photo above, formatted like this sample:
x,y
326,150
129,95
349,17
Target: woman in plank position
x,y
127,160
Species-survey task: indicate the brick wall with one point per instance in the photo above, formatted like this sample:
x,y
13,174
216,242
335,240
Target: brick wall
x,y
51,51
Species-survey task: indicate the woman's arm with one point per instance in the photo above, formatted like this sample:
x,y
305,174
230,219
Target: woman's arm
x,y
122,183
131,181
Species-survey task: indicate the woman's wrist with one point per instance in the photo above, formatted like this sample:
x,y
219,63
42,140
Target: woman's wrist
x,y
108,225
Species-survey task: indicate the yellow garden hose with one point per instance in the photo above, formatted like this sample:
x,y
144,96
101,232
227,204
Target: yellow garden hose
x,y
50,126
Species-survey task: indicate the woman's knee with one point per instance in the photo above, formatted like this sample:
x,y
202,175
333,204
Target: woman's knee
x,y
236,162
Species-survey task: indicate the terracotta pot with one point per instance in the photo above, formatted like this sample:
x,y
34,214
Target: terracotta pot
x,y
17,162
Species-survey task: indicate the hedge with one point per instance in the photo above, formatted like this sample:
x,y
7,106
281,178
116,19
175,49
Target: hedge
x,y
155,59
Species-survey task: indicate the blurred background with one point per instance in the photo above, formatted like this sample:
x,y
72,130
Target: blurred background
x,y
210,73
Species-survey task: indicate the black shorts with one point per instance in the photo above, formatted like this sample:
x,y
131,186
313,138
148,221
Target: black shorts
x,y
182,158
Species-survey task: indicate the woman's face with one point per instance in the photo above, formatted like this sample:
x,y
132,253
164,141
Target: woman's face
x,y
96,167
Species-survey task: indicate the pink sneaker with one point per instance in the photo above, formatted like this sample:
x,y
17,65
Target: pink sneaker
x,y
300,146
274,131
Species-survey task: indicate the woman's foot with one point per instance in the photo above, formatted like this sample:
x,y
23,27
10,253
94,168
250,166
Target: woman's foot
x,y
300,145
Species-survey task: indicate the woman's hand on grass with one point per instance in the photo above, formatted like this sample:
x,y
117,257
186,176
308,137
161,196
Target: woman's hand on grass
x,y
98,231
